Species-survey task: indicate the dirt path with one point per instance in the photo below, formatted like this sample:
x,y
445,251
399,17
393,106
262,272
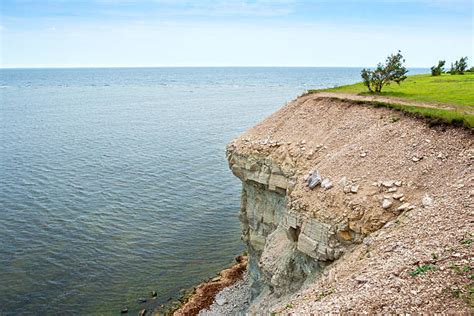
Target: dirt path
x,y
390,100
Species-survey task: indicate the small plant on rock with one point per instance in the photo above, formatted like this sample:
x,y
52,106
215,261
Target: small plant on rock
x,y
392,71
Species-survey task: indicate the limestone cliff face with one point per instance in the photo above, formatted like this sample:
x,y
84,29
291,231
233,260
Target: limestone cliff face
x,y
375,169
286,246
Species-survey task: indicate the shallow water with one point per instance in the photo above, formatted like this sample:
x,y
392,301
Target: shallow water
x,y
114,182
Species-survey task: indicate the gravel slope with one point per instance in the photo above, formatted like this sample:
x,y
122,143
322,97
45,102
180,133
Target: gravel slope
x,y
421,260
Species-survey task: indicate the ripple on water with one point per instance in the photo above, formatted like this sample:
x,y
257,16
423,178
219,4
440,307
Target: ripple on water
x,y
114,181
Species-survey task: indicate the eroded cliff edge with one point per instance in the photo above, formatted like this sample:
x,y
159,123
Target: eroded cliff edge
x,y
398,197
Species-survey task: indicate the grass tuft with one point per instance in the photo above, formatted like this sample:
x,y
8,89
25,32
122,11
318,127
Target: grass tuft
x,y
422,269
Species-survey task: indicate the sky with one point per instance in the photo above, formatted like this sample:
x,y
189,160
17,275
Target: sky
x,y
144,33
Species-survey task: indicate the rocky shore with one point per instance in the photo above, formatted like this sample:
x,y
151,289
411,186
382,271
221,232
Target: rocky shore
x,y
349,209
208,293
232,300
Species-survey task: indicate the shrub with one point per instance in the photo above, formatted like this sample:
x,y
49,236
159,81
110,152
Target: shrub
x,y
392,71
438,70
459,66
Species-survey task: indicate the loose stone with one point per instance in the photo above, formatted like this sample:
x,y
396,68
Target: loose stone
x,y
368,241
314,180
388,184
391,190
220,300
386,203
326,184
354,188
398,196
403,207
343,182
427,200
124,310
142,312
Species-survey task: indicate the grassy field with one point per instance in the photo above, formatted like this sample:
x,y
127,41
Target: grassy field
x,y
454,90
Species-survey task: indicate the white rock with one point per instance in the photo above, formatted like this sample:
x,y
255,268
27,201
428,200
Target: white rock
x,y
326,184
398,196
354,188
220,300
391,190
398,183
386,203
343,182
368,241
388,183
314,180
363,154
426,200
403,207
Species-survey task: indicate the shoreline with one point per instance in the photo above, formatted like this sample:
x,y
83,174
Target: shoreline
x,y
203,295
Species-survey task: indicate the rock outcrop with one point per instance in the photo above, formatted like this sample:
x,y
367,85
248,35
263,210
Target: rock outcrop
x,y
297,228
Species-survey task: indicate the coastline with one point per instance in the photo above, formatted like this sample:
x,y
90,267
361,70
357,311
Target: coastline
x,y
203,296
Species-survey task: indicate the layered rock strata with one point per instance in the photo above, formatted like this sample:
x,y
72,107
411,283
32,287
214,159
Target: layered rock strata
x,y
294,233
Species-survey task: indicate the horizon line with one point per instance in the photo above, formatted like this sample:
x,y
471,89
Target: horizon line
x,y
130,67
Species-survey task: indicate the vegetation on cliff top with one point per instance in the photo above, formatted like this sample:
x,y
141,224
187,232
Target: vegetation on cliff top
x,y
454,90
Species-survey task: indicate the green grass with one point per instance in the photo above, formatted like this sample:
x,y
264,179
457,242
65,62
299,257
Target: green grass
x,y
422,269
454,90
449,89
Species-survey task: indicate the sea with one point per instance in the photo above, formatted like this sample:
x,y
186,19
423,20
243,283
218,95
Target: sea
x,y
114,181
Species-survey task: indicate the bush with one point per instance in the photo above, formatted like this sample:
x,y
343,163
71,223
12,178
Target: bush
x,y
438,70
392,71
459,66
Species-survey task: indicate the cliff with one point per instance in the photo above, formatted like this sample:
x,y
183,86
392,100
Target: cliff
x,y
390,227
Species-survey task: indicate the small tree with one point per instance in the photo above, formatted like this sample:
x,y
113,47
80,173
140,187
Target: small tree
x,y
459,66
438,70
383,75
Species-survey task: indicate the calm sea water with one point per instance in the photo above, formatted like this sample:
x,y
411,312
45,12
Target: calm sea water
x,y
114,182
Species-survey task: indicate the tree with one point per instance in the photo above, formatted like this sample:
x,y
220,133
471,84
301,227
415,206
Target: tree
x,y
459,66
438,70
392,71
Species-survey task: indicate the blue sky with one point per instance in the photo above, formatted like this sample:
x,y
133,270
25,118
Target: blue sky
x,y
104,33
